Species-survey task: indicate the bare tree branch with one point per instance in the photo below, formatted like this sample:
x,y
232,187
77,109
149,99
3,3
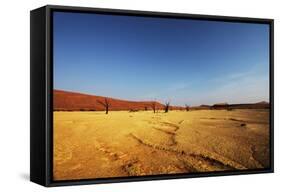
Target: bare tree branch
x,y
105,104
186,107
153,105
167,106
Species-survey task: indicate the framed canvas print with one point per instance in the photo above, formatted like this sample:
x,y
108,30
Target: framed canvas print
x,y
119,95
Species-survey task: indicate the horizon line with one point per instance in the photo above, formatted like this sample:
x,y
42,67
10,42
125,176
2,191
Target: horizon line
x,y
202,104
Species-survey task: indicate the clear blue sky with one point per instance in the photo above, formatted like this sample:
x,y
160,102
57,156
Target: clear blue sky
x,y
184,61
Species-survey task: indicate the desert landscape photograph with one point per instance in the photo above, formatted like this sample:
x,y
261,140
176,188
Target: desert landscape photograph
x,y
139,96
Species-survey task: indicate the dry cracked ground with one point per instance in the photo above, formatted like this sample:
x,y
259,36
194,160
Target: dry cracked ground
x,y
90,145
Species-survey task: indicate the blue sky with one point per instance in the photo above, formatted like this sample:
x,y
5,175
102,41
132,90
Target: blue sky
x,y
183,61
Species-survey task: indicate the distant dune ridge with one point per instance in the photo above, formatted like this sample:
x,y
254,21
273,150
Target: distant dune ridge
x,y
259,105
72,101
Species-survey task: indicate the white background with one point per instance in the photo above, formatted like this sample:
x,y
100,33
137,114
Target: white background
x,y
14,94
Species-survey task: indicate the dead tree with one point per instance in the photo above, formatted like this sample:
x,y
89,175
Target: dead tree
x,y
153,105
167,106
105,104
186,107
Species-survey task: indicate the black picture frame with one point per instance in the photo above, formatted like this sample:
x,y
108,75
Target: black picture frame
x,y
41,98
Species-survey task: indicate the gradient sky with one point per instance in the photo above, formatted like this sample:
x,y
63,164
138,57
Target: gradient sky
x,y
183,61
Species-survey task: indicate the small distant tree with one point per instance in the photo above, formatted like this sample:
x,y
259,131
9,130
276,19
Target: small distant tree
x,y
186,107
145,108
153,105
105,104
167,106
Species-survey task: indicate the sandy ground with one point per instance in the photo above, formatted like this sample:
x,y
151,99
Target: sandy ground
x,y
95,145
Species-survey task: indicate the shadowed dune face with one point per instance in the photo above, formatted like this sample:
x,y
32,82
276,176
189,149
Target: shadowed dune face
x,y
95,145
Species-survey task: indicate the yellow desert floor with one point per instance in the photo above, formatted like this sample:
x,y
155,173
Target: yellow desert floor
x,y
91,145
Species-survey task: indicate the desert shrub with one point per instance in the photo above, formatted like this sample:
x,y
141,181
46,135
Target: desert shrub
x,y
133,110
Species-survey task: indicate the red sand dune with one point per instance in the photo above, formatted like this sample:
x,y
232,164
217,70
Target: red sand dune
x,y
71,101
